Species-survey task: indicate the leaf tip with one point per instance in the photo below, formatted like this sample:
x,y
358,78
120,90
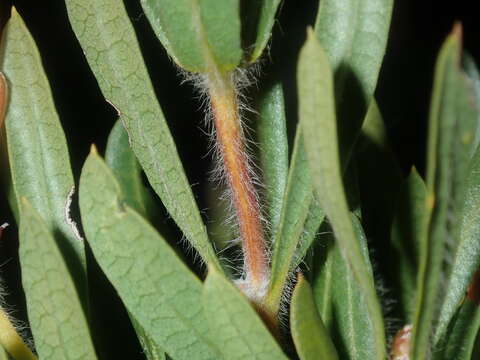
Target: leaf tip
x,y
93,150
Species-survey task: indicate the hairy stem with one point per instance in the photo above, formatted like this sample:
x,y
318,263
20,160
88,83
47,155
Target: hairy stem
x,y
11,341
231,142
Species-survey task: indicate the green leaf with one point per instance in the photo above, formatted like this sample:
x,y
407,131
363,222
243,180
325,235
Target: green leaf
x,y
266,10
37,148
58,324
467,257
150,348
273,143
3,353
310,336
464,328
198,35
108,40
121,159
354,35
407,230
317,118
297,204
235,326
451,133
471,71
160,292
340,300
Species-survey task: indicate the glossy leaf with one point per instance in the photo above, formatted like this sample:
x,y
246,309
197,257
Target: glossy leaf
x,y
467,258
340,300
354,35
198,35
108,40
57,320
38,153
296,207
310,336
159,291
452,126
273,143
317,116
407,230
235,326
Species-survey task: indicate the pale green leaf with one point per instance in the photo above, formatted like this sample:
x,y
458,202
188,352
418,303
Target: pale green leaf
x,y
10,339
354,35
318,120
273,143
38,153
59,325
109,43
3,353
121,159
150,348
407,230
340,300
158,290
310,336
452,126
198,35
235,326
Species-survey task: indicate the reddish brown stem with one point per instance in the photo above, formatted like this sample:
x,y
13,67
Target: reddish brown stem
x,y
231,142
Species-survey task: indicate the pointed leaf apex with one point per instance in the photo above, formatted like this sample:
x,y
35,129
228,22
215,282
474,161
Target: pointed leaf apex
x,y
93,150
457,31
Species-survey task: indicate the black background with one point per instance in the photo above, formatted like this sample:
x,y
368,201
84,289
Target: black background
x,y
403,93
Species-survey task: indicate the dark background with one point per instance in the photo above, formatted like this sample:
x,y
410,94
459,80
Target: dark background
x,y
403,93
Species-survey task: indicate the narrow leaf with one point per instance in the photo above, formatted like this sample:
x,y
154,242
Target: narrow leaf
x,y
108,40
3,353
235,326
467,258
451,133
57,320
159,291
10,339
407,231
265,11
198,35
317,116
310,336
465,326
273,143
37,148
340,299
124,165
354,35
296,206
473,75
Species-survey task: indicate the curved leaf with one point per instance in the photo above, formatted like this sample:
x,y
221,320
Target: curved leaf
x,y
407,230
108,40
58,324
266,18
37,149
354,35
124,165
311,339
273,143
159,291
318,120
235,326
297,203
341,302
198,35
452,126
